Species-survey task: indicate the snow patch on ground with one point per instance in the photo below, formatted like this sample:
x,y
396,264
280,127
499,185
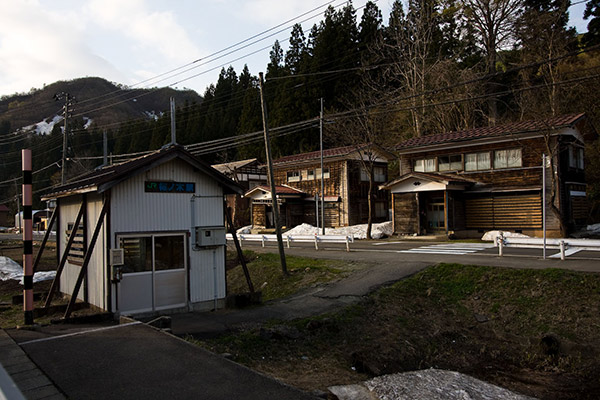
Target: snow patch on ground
x,y
378,231
244,230
594,229
492,235
9,269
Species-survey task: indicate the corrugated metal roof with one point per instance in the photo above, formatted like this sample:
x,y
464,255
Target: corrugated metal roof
x,y
105,177
501,130
232,166
281,189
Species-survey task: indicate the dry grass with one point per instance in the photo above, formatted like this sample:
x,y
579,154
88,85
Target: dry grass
x,y
486,322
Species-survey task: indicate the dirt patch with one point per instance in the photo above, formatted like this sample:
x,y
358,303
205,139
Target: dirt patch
x,y
533,332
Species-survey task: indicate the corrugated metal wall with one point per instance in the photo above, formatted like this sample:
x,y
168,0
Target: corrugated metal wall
x,y
134,210
96,272
202,274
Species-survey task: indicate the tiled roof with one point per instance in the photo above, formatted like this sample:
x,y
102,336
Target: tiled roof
x,y
501,130
313,155
118,172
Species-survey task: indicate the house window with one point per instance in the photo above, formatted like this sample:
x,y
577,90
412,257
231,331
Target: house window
x,y
508,158
477,161
310,175
325,173
364,175
379,173
424,165
576,157
450,163
293,176
380,211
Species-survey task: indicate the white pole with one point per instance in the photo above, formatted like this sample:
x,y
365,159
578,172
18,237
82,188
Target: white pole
x,y
544,202
322,173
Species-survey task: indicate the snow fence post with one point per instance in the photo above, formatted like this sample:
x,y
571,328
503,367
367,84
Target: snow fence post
x,y
500,240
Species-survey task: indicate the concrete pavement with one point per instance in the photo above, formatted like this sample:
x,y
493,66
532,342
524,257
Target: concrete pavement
x,y
135,361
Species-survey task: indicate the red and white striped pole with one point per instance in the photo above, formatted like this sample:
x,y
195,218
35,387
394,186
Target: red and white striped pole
x,y
27,237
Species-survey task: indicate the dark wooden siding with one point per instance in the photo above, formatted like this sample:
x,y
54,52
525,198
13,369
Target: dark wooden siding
x,y
406,213
523,211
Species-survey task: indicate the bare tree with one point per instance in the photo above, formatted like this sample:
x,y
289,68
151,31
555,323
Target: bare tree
x,y
494,25
364,127
410,46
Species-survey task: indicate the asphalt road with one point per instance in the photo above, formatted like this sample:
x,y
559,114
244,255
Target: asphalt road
x,y
400,252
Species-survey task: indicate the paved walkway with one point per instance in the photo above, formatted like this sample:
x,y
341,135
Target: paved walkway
x,y
135,361
28,378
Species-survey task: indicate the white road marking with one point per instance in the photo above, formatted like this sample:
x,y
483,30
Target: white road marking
x,y
568,252
450,248
106,328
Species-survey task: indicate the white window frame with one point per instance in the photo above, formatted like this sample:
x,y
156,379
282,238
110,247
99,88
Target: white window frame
x,y
425,165
452,165
504,159
293,176
480,163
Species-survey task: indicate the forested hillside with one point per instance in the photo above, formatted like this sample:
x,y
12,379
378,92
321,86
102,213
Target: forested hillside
x,y
437,65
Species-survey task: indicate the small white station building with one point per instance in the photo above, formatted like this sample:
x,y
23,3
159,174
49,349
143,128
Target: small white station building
x,y
145,236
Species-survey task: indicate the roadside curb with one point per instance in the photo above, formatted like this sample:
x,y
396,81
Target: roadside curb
x,y
30,380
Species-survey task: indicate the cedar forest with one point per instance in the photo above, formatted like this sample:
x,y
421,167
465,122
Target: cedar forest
x,y
437,66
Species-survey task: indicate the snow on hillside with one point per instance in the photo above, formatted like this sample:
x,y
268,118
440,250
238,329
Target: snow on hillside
x,y
44,127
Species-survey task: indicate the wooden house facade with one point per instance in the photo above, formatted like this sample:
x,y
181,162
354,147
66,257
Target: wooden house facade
x,y
345,188
493,178
248,174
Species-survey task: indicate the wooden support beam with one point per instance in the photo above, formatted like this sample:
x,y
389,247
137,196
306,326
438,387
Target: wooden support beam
x,y
238,248
65,255
38,256
86,260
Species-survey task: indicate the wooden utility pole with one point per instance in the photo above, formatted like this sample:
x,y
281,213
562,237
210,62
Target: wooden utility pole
x,y
271,177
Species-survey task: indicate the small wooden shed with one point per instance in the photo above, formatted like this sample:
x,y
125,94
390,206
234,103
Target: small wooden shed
x,y
144,236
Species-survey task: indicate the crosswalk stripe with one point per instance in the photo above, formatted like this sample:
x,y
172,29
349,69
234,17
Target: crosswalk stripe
x,y
450,248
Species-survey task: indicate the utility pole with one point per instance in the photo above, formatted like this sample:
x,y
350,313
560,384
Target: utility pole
x,y
173,134
69,100
104,148
322,172
271,177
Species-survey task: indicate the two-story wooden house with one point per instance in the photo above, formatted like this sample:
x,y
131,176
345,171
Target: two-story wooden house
x,y
491,178
345,181
248,174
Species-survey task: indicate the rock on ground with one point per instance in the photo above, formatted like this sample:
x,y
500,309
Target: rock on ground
x,y
431,384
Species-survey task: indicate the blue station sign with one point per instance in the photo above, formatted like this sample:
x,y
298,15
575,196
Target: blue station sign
x,y
169,187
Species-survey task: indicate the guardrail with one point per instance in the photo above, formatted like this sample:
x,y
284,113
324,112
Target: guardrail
x,y
290,239
567,247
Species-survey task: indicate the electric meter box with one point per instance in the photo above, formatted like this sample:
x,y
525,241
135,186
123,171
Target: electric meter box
x,y
117,256
209,236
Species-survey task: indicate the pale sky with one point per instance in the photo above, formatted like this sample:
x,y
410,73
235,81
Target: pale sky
x,y
129,41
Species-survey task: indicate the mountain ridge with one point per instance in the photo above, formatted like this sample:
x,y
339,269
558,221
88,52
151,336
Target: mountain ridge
x,y
96,99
